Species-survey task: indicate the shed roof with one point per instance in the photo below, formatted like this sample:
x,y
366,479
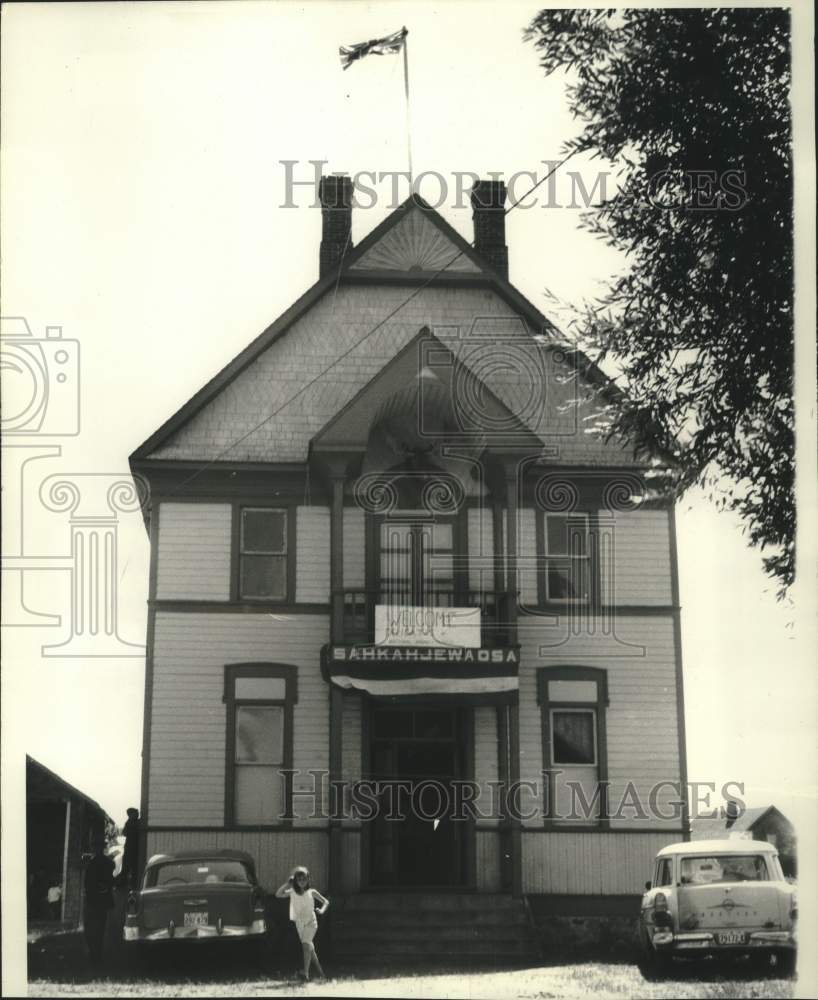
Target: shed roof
x,y
42,780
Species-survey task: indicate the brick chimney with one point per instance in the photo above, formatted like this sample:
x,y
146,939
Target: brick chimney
x,y
335,195
487,201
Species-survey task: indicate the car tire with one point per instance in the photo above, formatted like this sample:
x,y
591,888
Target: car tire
x,y
652,965
785,964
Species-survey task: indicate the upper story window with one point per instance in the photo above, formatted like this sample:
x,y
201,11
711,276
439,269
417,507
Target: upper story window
x,y
566,544
264,554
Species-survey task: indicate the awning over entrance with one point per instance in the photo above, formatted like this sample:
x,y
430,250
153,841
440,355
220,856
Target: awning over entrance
x,y
400,670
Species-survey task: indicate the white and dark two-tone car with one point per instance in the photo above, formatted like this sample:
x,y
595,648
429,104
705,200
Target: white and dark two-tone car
x,y
718,897
197,896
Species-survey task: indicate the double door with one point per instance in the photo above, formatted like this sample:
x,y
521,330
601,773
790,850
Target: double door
x,y
417,755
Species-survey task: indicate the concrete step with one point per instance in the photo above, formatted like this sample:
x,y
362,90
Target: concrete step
x,y
432,918
433,927
388,947
487,935
444,960
416,902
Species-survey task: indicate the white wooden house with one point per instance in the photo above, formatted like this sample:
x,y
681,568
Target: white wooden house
x,y
387,543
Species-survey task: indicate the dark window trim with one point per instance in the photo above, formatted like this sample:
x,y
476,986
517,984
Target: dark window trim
x,y
289,674
599,676
291,508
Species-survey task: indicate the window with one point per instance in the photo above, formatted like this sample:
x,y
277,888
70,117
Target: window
x,y
724,868
565,548
263,552
574,735
260,699
417,563
573,701
664,872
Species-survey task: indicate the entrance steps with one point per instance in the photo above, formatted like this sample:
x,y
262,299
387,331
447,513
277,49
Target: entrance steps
x,y
432,928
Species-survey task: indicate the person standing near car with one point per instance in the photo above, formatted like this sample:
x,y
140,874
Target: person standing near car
x,y
130,856
99,898
303,914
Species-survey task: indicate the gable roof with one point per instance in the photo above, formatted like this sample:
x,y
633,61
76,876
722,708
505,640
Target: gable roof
x,y
750,817
706,827
406,390
351,269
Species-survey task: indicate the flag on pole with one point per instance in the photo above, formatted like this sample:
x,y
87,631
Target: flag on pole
x,y
389,45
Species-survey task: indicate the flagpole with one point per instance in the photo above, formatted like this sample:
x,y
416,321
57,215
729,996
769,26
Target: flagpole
x,y
408,115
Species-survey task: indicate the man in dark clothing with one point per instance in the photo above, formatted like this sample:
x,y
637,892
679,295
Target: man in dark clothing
x,y
130,856
99,899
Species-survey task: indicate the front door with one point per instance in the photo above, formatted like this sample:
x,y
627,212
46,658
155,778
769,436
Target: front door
x,y
416,755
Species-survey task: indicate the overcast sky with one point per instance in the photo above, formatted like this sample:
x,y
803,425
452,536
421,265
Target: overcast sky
x,y
142,194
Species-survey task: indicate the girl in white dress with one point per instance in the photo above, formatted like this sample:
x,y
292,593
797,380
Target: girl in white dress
x,y
303,914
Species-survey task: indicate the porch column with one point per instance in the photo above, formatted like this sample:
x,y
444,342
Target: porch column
x,y
515,829
512,583
504,840
336,697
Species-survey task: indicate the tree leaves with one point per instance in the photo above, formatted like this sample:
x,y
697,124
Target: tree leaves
x,y
692,107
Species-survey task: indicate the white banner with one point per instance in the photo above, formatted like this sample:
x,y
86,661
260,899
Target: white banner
x,y
402,625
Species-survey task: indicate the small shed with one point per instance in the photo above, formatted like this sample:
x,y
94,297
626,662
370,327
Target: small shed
x,y
61,823
756,823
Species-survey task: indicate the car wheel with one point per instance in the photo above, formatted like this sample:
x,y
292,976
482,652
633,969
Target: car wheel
x,y
785,964
653,965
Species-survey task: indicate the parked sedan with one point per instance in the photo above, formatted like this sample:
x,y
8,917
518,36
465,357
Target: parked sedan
x,y
197,896
717,897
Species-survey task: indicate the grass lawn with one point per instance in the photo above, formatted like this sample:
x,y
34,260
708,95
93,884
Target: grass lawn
x,y
579,980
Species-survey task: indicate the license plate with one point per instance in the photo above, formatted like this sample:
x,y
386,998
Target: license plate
x,y
196,918
730,937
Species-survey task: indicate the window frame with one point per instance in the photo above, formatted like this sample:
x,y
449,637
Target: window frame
x,y
590,559
599,706
279,671
290,511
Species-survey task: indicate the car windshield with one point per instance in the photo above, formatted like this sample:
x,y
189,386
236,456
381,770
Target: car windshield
x,y
196,872
724,868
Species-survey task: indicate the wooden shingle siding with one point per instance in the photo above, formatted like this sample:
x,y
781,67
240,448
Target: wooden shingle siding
x,y
485,755
635,564
326,357
312,555
188,736
640,662
481,549
589,863
354,548
194,552
275,853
